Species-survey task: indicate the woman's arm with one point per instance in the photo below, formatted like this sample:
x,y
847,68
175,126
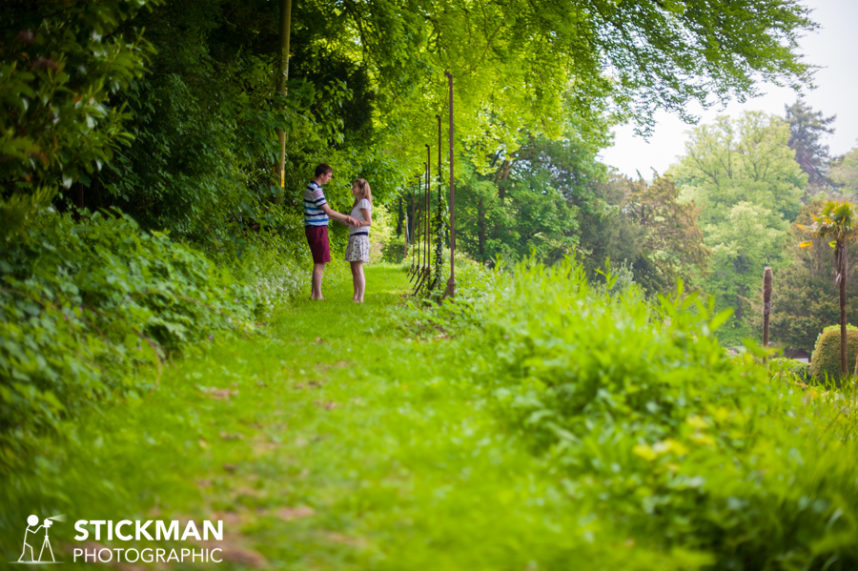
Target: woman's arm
x,y
367,217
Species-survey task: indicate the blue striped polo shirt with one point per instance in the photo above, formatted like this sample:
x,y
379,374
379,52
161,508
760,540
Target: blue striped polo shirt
x,y
314,199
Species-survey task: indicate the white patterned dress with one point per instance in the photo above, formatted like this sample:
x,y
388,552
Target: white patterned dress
x,y
358,248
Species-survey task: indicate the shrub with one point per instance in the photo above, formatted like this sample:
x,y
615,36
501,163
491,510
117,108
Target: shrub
x,y
276,272
394,251
825,361
382,232
792,368
84,303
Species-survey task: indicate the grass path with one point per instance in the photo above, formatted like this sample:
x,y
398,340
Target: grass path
x,y
332,442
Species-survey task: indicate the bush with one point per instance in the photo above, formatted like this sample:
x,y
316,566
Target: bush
x,y
394,251
825,361
85,303
381,233
276,272
792,368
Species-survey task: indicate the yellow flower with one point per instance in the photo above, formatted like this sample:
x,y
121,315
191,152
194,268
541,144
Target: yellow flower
x,y
697,422
645,452
702,439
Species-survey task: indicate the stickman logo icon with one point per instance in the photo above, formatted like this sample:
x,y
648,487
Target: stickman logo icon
x,y
32,535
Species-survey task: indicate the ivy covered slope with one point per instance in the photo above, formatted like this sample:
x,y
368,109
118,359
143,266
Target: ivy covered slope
x,y
93,309
86,304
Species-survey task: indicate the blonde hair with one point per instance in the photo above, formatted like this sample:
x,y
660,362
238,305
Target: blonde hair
x,y
363,189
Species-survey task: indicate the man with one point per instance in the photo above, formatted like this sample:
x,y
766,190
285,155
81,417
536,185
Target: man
x,y
316,216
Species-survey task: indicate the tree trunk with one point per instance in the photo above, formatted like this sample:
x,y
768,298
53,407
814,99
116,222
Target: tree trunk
x,y
841,270
501,178
282,76
767,303
481,230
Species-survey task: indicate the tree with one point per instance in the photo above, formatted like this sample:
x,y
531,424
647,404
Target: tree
x,y
530,203
743,160
837,221
806,127
521,67
741,247
744,176
802,304
844,173
671,244
202,156
61,70
365,81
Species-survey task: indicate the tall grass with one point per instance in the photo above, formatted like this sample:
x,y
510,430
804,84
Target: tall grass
x,y
639,408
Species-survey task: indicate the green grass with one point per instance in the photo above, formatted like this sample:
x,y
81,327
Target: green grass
x,y
334,441
539,423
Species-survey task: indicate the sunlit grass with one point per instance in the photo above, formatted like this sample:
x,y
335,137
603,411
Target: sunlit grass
x,y
333,441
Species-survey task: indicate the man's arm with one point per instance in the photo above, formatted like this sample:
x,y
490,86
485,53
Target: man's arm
x,y
344,218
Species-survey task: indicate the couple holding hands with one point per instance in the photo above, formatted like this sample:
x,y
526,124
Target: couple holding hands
x,y
317,213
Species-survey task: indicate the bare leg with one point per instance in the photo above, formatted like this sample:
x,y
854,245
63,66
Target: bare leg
x,y
359,281
318,272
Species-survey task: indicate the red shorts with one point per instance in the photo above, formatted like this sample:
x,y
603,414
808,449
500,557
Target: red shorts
x,y
317,237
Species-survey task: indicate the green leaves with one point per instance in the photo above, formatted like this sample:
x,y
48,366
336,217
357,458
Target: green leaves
x,y
82,304
59,70
686,446
836,219
743,176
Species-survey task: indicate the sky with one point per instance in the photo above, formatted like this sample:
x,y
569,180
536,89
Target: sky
x,y
836,93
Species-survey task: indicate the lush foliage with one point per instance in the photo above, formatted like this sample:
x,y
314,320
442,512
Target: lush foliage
x,y
200,115
667,241
744,176
531,202
376,453
166,110
87,303
557,455
642,408
61,69
805,296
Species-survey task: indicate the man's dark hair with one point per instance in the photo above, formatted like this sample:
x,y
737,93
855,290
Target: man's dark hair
x,y
323,169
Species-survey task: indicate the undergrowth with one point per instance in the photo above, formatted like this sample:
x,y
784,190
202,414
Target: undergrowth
x,y
88,301
637,404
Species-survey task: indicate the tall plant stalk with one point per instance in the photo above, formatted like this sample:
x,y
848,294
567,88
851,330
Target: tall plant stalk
x,y
282,77
837,221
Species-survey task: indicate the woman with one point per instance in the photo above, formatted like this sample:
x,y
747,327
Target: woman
x,y
357,252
